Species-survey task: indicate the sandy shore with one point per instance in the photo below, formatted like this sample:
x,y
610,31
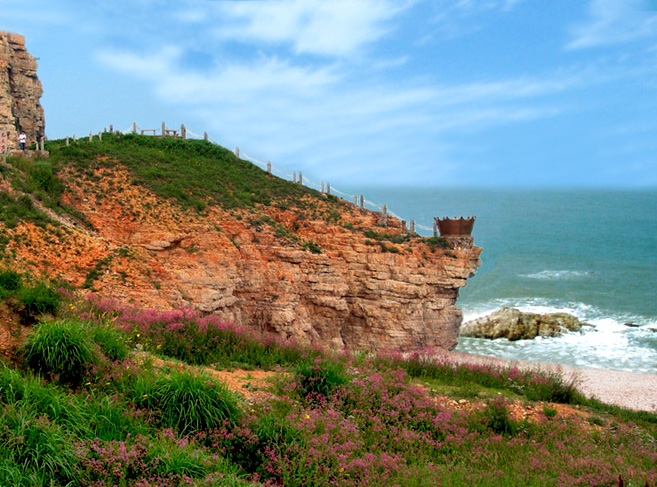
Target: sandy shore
x,y
625,389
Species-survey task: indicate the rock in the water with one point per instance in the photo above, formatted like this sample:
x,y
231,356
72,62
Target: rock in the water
x,y
515,325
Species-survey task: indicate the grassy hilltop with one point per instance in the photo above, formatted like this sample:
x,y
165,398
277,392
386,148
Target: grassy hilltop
x,y
95,392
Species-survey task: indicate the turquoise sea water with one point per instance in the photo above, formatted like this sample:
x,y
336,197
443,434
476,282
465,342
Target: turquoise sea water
x,y
591,253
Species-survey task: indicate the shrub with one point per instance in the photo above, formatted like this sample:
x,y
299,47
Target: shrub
x,y
10,280
61,350
312,247
40,299
495,417
438,243
317,380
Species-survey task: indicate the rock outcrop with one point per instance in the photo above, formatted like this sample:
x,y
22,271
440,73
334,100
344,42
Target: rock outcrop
x,y
355,293
515,325
20,91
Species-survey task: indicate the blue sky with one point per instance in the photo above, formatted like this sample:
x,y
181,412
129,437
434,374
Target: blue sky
x,y
367,92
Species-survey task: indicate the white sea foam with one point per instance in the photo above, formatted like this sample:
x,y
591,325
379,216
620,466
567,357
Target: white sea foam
x,y
608,343
557,275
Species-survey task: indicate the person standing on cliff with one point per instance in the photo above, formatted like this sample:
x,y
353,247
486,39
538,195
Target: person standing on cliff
x,y
22,139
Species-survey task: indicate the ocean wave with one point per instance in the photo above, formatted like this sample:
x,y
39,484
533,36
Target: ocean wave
x,y
582,311
560,275
610,342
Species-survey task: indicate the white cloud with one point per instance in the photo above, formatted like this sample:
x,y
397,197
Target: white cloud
x,y
458,18
322,27
613,22
236,83
145,66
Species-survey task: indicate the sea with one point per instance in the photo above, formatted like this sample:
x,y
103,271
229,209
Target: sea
x,y
590,253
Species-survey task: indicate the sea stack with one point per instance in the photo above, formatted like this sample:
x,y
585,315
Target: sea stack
x,y
20,91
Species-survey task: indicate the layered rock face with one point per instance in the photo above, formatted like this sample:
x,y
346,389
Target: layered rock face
x,y
350,296
20,91
354,293
515,325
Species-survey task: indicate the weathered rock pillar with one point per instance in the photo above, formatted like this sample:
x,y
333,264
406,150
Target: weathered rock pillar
x,y
20,91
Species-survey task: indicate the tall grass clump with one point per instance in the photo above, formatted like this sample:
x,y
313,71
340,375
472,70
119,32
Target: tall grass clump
x,y
60,350
495,417
43,400
191,403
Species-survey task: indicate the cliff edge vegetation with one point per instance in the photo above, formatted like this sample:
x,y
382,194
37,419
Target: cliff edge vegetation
x,y
166,222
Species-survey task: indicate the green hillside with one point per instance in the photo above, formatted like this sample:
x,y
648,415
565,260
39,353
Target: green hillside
x,y
193,172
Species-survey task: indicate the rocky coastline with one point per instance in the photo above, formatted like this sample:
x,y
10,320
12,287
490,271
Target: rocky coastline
x,y
513,324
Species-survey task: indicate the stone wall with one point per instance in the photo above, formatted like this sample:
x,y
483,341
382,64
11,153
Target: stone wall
x,y
20,91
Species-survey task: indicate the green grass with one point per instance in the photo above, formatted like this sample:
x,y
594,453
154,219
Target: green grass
x,y
335,420
28,297
10,281
193,402
14,210
60,350
194,173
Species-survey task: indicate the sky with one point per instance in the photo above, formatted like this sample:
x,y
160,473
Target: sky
x,y
414,93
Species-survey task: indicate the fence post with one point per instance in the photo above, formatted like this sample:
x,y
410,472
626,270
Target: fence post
x,y
100,136
435,229
183,131
91,137
362,201
164,129
412,226
205,136
269,167
322,186
384,209
403,225
300,178
328,188
111,129
134,127
294,177
237,152
75,139
67,141
355,200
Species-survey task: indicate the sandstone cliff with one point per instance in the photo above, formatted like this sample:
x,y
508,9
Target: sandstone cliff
x,y
20,91
315,268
